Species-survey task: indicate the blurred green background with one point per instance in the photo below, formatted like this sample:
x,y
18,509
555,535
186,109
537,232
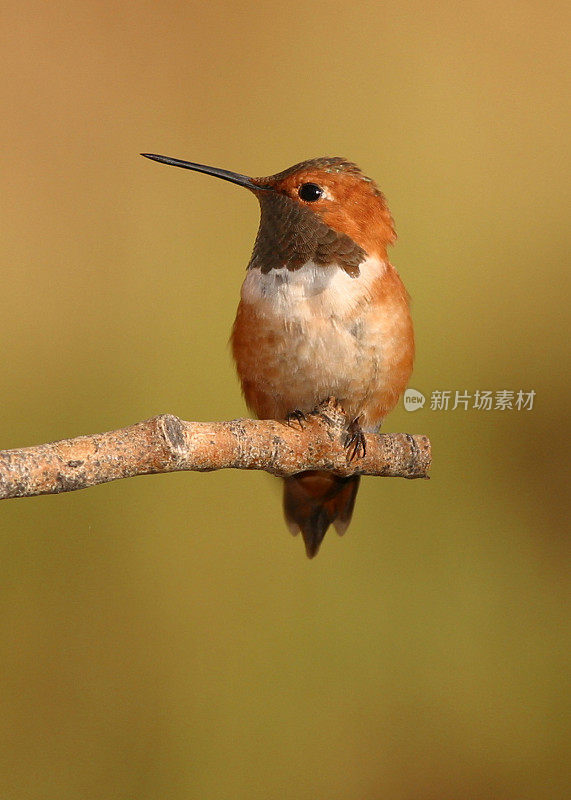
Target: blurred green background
x,y
165,636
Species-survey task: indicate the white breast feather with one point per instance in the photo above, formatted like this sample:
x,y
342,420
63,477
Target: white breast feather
x,y
302,295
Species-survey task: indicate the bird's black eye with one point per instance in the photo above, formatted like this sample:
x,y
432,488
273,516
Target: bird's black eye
x,y
310,192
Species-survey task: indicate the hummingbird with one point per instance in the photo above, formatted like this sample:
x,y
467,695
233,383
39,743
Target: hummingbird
x,y
322,313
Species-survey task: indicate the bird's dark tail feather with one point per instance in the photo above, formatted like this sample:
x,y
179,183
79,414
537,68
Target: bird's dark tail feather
x,y
315,500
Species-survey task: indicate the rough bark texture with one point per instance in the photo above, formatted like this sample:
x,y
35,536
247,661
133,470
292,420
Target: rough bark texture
x,y
169,444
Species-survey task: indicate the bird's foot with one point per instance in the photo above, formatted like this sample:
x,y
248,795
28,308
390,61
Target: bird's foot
x,y
355,440
296,418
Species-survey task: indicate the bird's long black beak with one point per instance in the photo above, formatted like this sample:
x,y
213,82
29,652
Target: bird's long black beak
x,y
226,175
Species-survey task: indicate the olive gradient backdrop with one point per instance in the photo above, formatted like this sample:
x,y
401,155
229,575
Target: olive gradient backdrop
x,y
165,636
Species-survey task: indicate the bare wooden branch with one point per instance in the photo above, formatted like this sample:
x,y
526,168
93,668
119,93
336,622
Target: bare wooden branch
x,y
169,444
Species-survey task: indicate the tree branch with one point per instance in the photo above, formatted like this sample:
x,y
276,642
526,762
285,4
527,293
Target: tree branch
x,y
169,444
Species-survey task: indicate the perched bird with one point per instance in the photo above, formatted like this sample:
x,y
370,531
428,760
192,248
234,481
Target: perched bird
x,y
322,314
